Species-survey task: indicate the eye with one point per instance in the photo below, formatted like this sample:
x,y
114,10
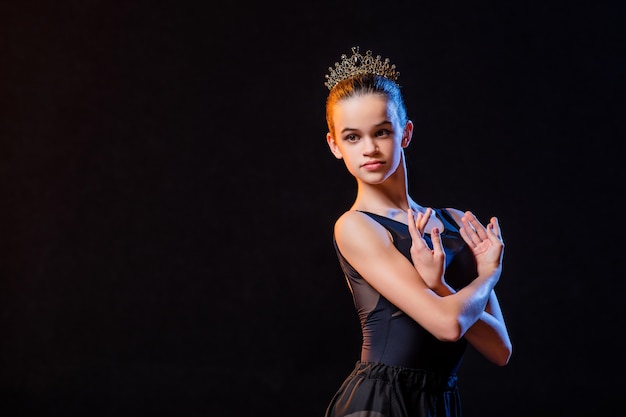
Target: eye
x,y
351,138
383,133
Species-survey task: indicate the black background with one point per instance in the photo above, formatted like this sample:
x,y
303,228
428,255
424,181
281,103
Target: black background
x,y
168,198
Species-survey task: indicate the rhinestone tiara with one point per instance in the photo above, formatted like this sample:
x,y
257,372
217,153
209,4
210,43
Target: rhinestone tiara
x,y
358,64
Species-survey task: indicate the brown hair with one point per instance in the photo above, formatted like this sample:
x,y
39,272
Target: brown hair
x,y
361,85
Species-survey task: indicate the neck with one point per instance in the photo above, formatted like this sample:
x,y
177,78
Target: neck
x,y
388,198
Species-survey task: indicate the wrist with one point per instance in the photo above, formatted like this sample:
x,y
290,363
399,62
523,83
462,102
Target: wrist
x,y
443,289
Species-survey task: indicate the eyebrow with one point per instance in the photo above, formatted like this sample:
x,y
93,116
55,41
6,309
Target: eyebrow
x,y
350,129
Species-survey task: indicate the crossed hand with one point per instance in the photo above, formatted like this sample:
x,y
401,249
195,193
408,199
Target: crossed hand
x,y
485,243
430,263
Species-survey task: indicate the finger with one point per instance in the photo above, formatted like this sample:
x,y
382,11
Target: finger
x,y
477,226
466,237
410,221
413,231
421,225
423,219
439,254
435,238
417,240
494,228
480,230
467,230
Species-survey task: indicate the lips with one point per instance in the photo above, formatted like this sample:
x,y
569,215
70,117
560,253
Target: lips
x,y
372,165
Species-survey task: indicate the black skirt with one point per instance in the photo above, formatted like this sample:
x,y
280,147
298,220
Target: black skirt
x,y
378,390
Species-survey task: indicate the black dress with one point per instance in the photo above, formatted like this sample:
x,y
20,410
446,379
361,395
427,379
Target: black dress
x,y
403,369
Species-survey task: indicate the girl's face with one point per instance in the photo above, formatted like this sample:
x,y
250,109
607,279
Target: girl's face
x,y
368,137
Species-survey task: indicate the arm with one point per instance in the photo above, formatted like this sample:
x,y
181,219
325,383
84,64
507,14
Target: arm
x,y
489,334
369,248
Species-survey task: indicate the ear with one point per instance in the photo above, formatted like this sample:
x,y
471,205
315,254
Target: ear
x,y
407,135
333,146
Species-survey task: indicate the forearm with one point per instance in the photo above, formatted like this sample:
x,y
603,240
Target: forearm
x,y
469,303
489,336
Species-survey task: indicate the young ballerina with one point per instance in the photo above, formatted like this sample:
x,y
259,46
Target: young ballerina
x,y
422,279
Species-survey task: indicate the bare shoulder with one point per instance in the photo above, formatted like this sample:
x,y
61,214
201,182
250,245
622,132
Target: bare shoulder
x,y
353,223
357,230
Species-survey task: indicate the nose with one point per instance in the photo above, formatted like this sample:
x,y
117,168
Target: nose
x,y
370,146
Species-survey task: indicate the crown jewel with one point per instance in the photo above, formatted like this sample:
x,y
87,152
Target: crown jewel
x,y
359,64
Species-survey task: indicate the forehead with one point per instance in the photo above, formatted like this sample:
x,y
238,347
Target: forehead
x,y
362,110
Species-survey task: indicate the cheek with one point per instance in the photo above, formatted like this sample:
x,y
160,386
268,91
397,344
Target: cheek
x,y
348,157
395,152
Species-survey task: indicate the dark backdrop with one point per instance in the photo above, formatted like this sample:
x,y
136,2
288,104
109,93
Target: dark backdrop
x,y
168,198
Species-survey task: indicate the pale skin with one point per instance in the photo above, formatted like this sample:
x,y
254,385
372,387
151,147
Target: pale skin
x,y
370,140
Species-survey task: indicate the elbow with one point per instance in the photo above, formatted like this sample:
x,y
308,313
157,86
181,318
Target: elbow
x,y
501,360
502,356
452,324
450,330
505,356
